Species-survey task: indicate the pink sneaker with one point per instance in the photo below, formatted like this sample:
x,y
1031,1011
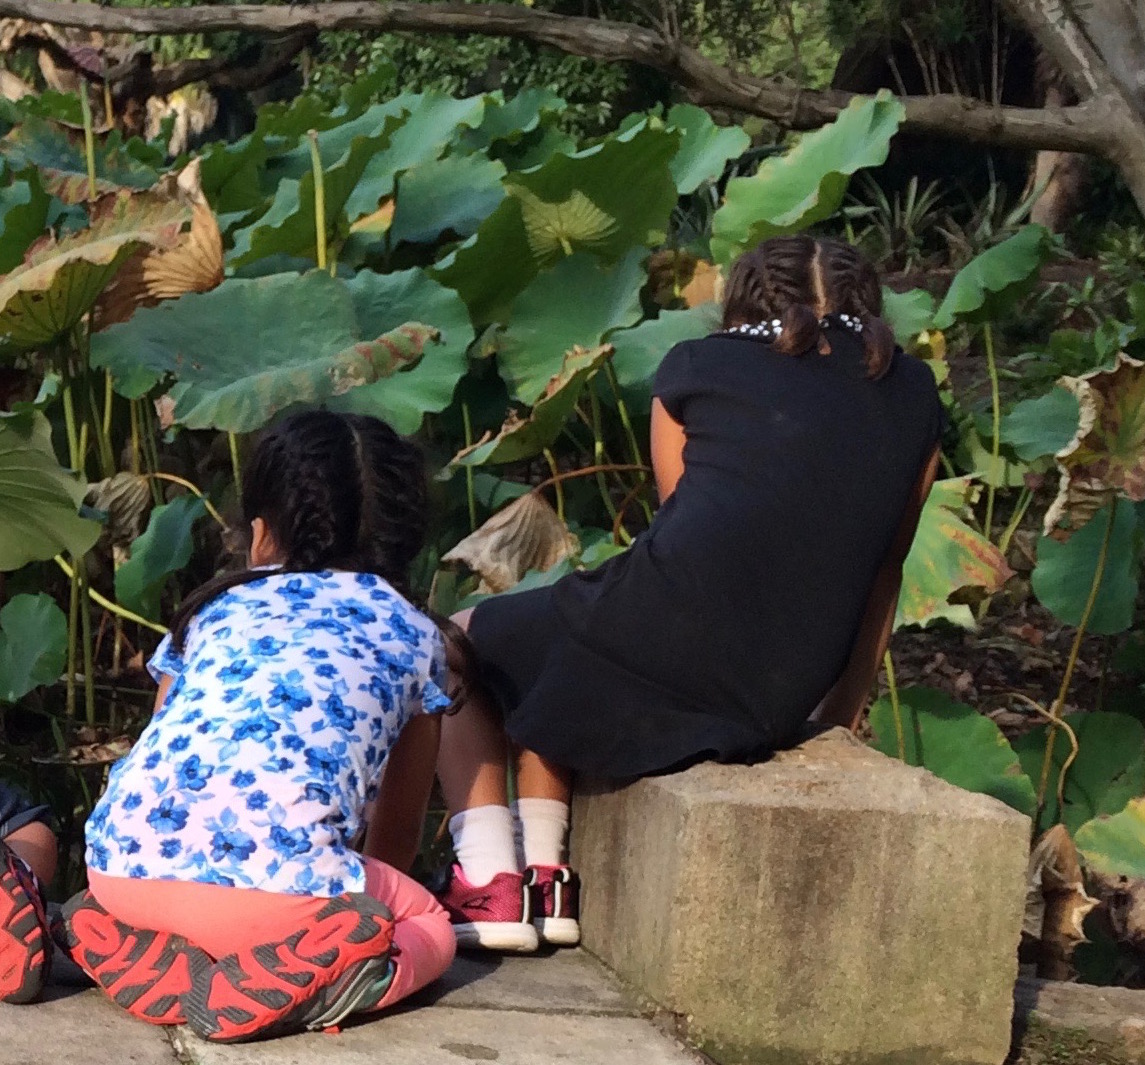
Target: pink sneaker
x,y
555,891
496,916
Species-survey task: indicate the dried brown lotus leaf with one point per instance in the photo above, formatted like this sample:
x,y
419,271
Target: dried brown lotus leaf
x,y
525,535
126,499
1056,903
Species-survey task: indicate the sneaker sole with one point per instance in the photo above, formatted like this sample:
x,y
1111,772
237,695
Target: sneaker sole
x,y
512,936
558,931
23,944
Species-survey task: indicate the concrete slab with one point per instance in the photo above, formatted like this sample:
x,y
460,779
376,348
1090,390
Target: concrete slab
x,y
566,981
450,1036
81,1027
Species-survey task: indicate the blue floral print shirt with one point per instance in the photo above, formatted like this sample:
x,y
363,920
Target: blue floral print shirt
x,y
256,771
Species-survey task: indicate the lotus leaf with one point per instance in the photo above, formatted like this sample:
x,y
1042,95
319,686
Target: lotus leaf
x,y
987,285
1108,771
451,195
522,438
509,120
251,348
908,313
1042,426
639,351
1106,454
578,302
39,501
162,549
1115,845
705,148
33,645
954,742
1064,573
793,191
23,215
947,556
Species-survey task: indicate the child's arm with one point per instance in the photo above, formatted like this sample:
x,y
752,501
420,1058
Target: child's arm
x,y
845,702
394,833
667,445
165,683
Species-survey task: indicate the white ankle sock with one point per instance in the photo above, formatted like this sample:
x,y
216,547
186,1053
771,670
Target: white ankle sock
x,y
483,841
540,831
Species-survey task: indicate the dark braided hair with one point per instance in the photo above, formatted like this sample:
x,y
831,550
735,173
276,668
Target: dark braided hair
x,y
799,281
337,491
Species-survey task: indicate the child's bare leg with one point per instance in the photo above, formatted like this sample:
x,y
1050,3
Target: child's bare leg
x,y
538,778
36,845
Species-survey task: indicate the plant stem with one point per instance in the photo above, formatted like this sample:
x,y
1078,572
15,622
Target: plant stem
x,y
896,709
70,424
194,490
236,466
108,397
1024,499
1074,652
136,443
551,460
996,426
107,604
626,421
73,650
88,140
319,199
472,499
598,455
585,471
88,657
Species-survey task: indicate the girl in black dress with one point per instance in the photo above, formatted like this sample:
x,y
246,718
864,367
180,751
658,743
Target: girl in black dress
x,y
792,451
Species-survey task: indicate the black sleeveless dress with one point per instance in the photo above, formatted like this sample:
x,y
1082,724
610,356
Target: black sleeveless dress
x,y
720,630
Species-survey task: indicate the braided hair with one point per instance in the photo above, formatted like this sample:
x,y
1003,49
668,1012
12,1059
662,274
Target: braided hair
x,y
799,281
336,491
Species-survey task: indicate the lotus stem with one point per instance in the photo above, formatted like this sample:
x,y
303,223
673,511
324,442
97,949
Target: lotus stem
x,y
73,650
107,604
319,198
194,490
1074,652
108,104
136,443
1055,723
108,397
996,426
896,708
88,657
469,495
70,425
1024,499
88,140
236,466
556,482
626,421
598,454
585,471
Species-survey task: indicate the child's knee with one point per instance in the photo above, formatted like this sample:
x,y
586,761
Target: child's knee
x,y
35,843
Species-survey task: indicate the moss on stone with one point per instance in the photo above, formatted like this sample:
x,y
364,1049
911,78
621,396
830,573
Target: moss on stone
x,y
1044,1045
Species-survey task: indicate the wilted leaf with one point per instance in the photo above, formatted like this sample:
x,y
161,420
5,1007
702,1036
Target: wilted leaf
x,y
945,557
954,742
125,498
164,548
526,535
33,645
251,348
96,753
986,286
522,438
793,191
1108,771
1056,903
705,148
1064,572
1115,845
39,501
1107,453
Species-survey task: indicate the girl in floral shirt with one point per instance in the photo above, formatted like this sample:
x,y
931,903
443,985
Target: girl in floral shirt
x,y
225,888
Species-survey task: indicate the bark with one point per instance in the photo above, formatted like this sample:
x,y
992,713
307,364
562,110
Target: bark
x,y
1104,123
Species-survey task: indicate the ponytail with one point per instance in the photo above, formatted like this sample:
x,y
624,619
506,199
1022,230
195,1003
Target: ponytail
x,y
799,331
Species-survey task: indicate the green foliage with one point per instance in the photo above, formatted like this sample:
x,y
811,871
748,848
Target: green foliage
x,y
1116,844
39,500
1042,426
794,191
1064,573
160,551
33,645
954,742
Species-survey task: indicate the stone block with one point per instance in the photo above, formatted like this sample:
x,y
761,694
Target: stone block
x,y
829,907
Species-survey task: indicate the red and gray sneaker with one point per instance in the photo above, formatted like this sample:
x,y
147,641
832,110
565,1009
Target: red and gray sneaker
x,y
340,963
146,973
495,916
555,891
25,946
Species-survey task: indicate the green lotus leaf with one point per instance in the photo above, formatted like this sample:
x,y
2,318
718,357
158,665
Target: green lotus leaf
x,y
33,645
1042,426
954,742
1106,452
451,195
249,349
555,230
39,501
162,549
510,120
639,351
793,191
908,313
1115,845
705,148
945,557
23,216
987,285
523,438
1063,576
575,304
1108,771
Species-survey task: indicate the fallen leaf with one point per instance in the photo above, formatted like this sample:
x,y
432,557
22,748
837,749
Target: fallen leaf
x,y
1056,903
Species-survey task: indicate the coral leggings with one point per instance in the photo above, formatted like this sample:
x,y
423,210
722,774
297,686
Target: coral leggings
x,y
224,919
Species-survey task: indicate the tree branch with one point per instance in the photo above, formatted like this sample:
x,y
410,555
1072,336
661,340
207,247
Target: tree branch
x,y
1091,127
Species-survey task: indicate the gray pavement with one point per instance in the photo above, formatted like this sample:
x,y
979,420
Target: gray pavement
x,y
562,1007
